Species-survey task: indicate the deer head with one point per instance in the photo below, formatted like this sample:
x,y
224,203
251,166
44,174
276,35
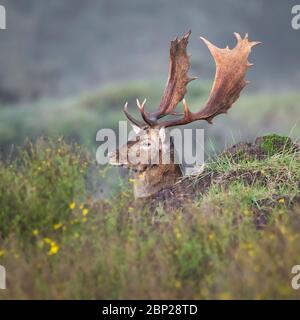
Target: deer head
x,y
231,68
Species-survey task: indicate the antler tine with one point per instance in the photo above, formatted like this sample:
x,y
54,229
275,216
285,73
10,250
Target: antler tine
x,y
131,118
145,115
231,68
141,106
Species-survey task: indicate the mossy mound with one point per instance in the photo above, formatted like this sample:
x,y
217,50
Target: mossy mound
x,y
262,163
263,147
272,144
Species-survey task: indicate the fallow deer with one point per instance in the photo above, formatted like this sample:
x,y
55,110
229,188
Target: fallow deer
x,y
231,68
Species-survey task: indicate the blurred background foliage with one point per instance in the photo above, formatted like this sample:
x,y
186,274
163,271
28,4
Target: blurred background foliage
x,y
67,67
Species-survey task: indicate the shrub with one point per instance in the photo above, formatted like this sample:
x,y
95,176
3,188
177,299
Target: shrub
x,y
37,187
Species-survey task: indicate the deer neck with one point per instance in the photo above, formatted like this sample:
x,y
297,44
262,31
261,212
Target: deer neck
x,y
155,178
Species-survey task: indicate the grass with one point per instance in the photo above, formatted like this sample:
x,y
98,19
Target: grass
x,y
57,242
279,172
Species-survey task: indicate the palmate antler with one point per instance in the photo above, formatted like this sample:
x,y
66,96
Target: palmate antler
x,y
231,68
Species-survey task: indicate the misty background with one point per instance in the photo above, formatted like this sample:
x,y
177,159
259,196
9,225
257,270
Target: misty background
x,y
60,47
68,66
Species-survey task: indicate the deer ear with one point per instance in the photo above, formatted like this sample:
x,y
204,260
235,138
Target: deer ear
x,y
135,128
162,134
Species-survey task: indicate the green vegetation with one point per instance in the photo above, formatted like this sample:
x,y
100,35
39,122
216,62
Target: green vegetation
x,y
274,173
37,187
240,240
79,119
273,143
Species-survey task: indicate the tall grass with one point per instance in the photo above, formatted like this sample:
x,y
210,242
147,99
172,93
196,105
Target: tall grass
x,y
56,242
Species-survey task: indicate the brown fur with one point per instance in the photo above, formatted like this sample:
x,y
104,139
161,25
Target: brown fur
x,y
155,178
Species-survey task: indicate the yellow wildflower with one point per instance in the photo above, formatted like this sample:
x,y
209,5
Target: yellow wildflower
x,y
47,240
177,284
35,232
84,219
2,253
57,226
53,249
211,237
281,200
72,205
131,180
85,211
